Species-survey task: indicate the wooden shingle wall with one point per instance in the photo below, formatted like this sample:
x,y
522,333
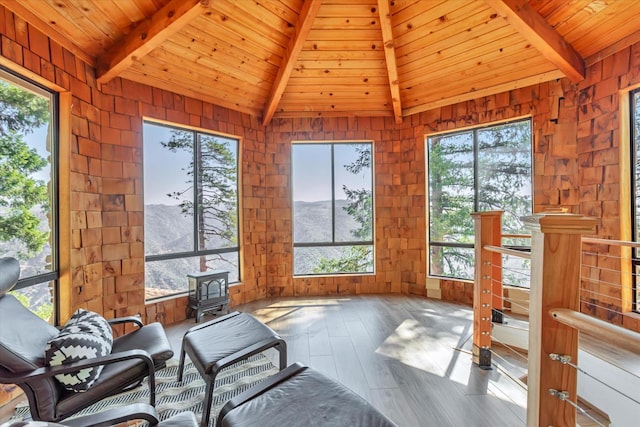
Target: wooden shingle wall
x,y
399,212
576,165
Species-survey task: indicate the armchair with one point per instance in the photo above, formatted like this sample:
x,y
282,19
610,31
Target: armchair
x,y
133,357
117,416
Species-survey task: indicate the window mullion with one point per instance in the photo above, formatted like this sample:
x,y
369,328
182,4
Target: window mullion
x,y
476,172
196,190
333,195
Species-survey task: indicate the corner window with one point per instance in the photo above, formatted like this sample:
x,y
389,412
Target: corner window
x,y
332,208
190,206
481,169
29,189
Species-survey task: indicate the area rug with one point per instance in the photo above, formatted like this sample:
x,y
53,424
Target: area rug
x,y
173,397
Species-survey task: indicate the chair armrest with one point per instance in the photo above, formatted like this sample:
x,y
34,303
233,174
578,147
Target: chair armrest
x,y
7,377
128,319
50,371
115,416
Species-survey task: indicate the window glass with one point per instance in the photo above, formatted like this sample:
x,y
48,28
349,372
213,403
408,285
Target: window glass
x,y
191,206
482,169
332,208
312,214
28,188
635,136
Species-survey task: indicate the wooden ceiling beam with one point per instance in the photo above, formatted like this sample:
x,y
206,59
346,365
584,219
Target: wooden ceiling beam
x,y
533,27
390,57
305,21
148,35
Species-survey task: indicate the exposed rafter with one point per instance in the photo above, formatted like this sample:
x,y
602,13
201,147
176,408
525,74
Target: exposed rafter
x,y
533,27
305,21
390,56
148,35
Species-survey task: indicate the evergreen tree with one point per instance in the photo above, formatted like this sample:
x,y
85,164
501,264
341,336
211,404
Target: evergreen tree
x,y
215,202
21,112
502,169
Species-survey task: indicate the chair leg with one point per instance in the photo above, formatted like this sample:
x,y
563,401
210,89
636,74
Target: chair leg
x,y
181,365
208,400
282,352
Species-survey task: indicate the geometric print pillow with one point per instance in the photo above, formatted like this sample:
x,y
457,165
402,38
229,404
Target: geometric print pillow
x,y
84,336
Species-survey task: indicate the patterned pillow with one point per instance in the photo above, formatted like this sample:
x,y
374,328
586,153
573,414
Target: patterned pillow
x,y
85,335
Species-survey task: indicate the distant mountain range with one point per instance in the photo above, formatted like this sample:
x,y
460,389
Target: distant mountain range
x,y
168,230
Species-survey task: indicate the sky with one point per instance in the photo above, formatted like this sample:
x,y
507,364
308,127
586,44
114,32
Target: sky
x,y
163,173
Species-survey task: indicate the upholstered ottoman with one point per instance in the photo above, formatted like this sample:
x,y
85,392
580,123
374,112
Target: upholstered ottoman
x,y
221,342
300,396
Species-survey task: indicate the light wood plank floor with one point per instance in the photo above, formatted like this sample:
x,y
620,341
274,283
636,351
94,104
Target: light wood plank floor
x,y
408,356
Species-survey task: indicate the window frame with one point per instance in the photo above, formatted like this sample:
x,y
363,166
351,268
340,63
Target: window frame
x,y
333,242
474,130
634,98
197,252
52,276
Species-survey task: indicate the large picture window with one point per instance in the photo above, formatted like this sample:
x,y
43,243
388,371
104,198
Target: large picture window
x,y
332,208
635,170
481,169
190,206
29,190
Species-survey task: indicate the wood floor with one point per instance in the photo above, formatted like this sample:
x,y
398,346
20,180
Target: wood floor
x,y
408,356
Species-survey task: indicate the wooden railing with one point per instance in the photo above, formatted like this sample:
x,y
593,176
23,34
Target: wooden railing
x,y
554,309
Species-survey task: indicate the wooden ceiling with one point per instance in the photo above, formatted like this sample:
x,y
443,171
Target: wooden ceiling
x,y
296,58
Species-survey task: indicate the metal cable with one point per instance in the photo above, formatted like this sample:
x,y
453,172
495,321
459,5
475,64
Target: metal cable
x,y
566,361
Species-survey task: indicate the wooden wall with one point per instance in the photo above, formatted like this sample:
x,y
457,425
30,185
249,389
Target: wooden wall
x,y
576,158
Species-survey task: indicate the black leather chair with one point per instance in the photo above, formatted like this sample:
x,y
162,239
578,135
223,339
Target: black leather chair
x,y
24,336
117,416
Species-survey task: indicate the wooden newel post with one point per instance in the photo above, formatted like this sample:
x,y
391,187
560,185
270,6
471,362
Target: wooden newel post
x,y
555,283
487,289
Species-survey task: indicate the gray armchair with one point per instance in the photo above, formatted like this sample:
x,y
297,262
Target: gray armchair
x,y
24,336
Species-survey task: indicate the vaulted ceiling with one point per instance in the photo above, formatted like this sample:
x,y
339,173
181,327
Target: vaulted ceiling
x,y
296,58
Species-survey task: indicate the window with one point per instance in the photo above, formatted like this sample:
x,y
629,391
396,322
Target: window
x,y
332,208
28,189
635,179
190,206
481,169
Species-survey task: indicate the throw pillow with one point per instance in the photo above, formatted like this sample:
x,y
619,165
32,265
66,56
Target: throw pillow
x,y
84,336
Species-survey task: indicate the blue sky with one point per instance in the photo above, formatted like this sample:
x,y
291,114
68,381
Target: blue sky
x,y
163,172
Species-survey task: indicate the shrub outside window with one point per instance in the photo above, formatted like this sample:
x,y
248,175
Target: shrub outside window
x,y
191,206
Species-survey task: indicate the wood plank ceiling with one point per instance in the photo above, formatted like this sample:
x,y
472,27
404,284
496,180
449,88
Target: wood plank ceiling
x,y
296,58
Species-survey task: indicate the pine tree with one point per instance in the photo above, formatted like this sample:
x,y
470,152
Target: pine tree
x,y
497,176
216,196
21,112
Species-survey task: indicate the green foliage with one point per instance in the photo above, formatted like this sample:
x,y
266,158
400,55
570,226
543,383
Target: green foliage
x,y
354,259
494,176
20,113
43,311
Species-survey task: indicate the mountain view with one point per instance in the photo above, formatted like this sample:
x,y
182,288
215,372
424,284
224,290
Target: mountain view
x,y
168,230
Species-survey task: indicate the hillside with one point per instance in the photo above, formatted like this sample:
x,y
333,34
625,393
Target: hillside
x,y
168,230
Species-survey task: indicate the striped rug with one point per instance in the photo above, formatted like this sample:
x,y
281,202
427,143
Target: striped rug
x,y
173,397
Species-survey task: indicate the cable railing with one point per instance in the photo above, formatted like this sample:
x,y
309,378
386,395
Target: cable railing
x,y
578,286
